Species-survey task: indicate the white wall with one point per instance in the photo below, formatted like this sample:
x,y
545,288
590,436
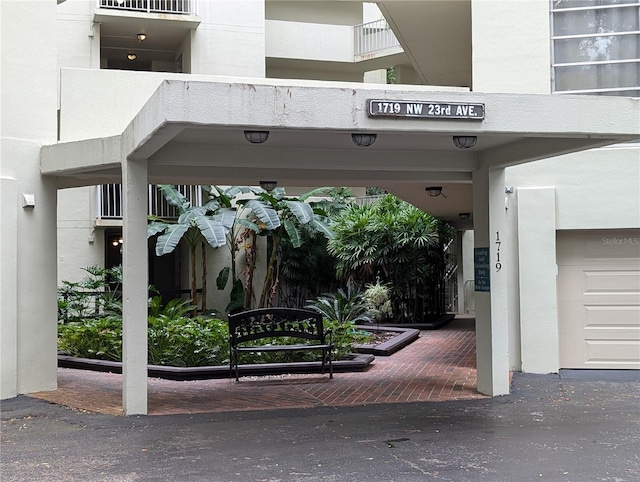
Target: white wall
x,y
78,39
80,243
330,12
28,105
597,189
230,39
511,46
309,41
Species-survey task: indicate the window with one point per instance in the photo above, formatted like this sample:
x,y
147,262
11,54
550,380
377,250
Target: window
x,y
596,47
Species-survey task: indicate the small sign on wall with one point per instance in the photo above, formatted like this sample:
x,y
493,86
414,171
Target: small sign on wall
x,y
481,269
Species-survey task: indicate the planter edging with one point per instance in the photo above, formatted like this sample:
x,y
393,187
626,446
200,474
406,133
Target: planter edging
x,y
359,362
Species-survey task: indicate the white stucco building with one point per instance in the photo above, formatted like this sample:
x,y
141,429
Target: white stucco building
x,y
138,92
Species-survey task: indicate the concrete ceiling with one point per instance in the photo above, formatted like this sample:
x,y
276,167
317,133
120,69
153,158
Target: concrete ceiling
x,y
193,133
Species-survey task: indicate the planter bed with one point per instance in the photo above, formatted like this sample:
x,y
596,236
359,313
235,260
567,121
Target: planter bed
x,y
404,337
358,363
436,324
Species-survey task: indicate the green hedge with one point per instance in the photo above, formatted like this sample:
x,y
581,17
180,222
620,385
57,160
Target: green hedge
x,y
183,342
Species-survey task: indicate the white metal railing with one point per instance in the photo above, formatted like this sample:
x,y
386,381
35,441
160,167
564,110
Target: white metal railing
x,y
373,36
183,7
109,201
364,200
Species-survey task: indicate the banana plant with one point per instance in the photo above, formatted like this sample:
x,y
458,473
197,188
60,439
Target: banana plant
x,y
194,224
284,216
243,227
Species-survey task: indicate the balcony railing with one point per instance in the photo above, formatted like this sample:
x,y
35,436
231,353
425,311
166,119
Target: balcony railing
x,y
109,200
182,7
374,36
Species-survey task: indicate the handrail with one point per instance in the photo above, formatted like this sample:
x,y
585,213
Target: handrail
x,y
373,36
109,201
181,7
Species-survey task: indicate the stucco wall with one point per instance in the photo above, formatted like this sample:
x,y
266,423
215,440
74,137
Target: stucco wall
x,y
28,106
230,39
511,49
596,189
331,12
309,41
80,243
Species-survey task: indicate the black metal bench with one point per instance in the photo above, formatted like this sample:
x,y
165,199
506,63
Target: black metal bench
x,y
263,323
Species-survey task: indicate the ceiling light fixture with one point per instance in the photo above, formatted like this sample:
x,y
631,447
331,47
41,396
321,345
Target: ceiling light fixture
x,y
464,142
434,191
256,137
132,56
141,36
363,139
268,185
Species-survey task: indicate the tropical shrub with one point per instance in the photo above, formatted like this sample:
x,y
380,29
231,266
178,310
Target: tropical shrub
x,y
399,245
188,342
98,338
342,306
377,299
345,336
174,339
341,311
96,295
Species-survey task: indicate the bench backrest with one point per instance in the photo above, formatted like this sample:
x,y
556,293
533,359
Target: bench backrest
x,y
273,322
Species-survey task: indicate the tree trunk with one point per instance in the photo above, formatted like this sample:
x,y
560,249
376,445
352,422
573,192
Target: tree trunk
x,y
267,279
250,257
194,285
203,246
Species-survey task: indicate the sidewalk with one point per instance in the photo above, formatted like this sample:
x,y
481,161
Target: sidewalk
x,y
439,366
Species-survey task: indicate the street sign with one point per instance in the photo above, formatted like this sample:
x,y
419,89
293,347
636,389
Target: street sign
x,y
428,110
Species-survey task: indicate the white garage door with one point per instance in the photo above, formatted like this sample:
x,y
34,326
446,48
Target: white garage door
x,y
599,299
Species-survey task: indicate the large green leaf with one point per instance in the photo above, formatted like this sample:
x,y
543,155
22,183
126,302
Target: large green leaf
x,y
191,214
293,232
233,191
321,224
213,231
223,278
237,298
227,217
174,197
301,210
155,228
248,224
264,213
320,191
170,239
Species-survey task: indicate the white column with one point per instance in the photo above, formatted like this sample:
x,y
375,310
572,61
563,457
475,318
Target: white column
x,y
537,263
8,288
134,287
460,274
489,221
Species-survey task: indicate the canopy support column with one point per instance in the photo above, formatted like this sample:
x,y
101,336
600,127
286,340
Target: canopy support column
x,y
134,287
489,222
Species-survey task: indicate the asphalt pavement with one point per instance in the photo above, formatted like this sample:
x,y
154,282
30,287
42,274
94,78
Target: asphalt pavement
x,y
548,428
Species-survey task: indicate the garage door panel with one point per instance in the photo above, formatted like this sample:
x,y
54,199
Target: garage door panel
x,y
612,282
612,353
599,299
614,318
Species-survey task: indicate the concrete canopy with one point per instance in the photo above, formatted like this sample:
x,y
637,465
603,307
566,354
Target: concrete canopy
x,y
192,132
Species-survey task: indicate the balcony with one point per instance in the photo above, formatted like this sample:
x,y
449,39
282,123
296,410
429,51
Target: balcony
x,y
375,38
182,7
109,203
